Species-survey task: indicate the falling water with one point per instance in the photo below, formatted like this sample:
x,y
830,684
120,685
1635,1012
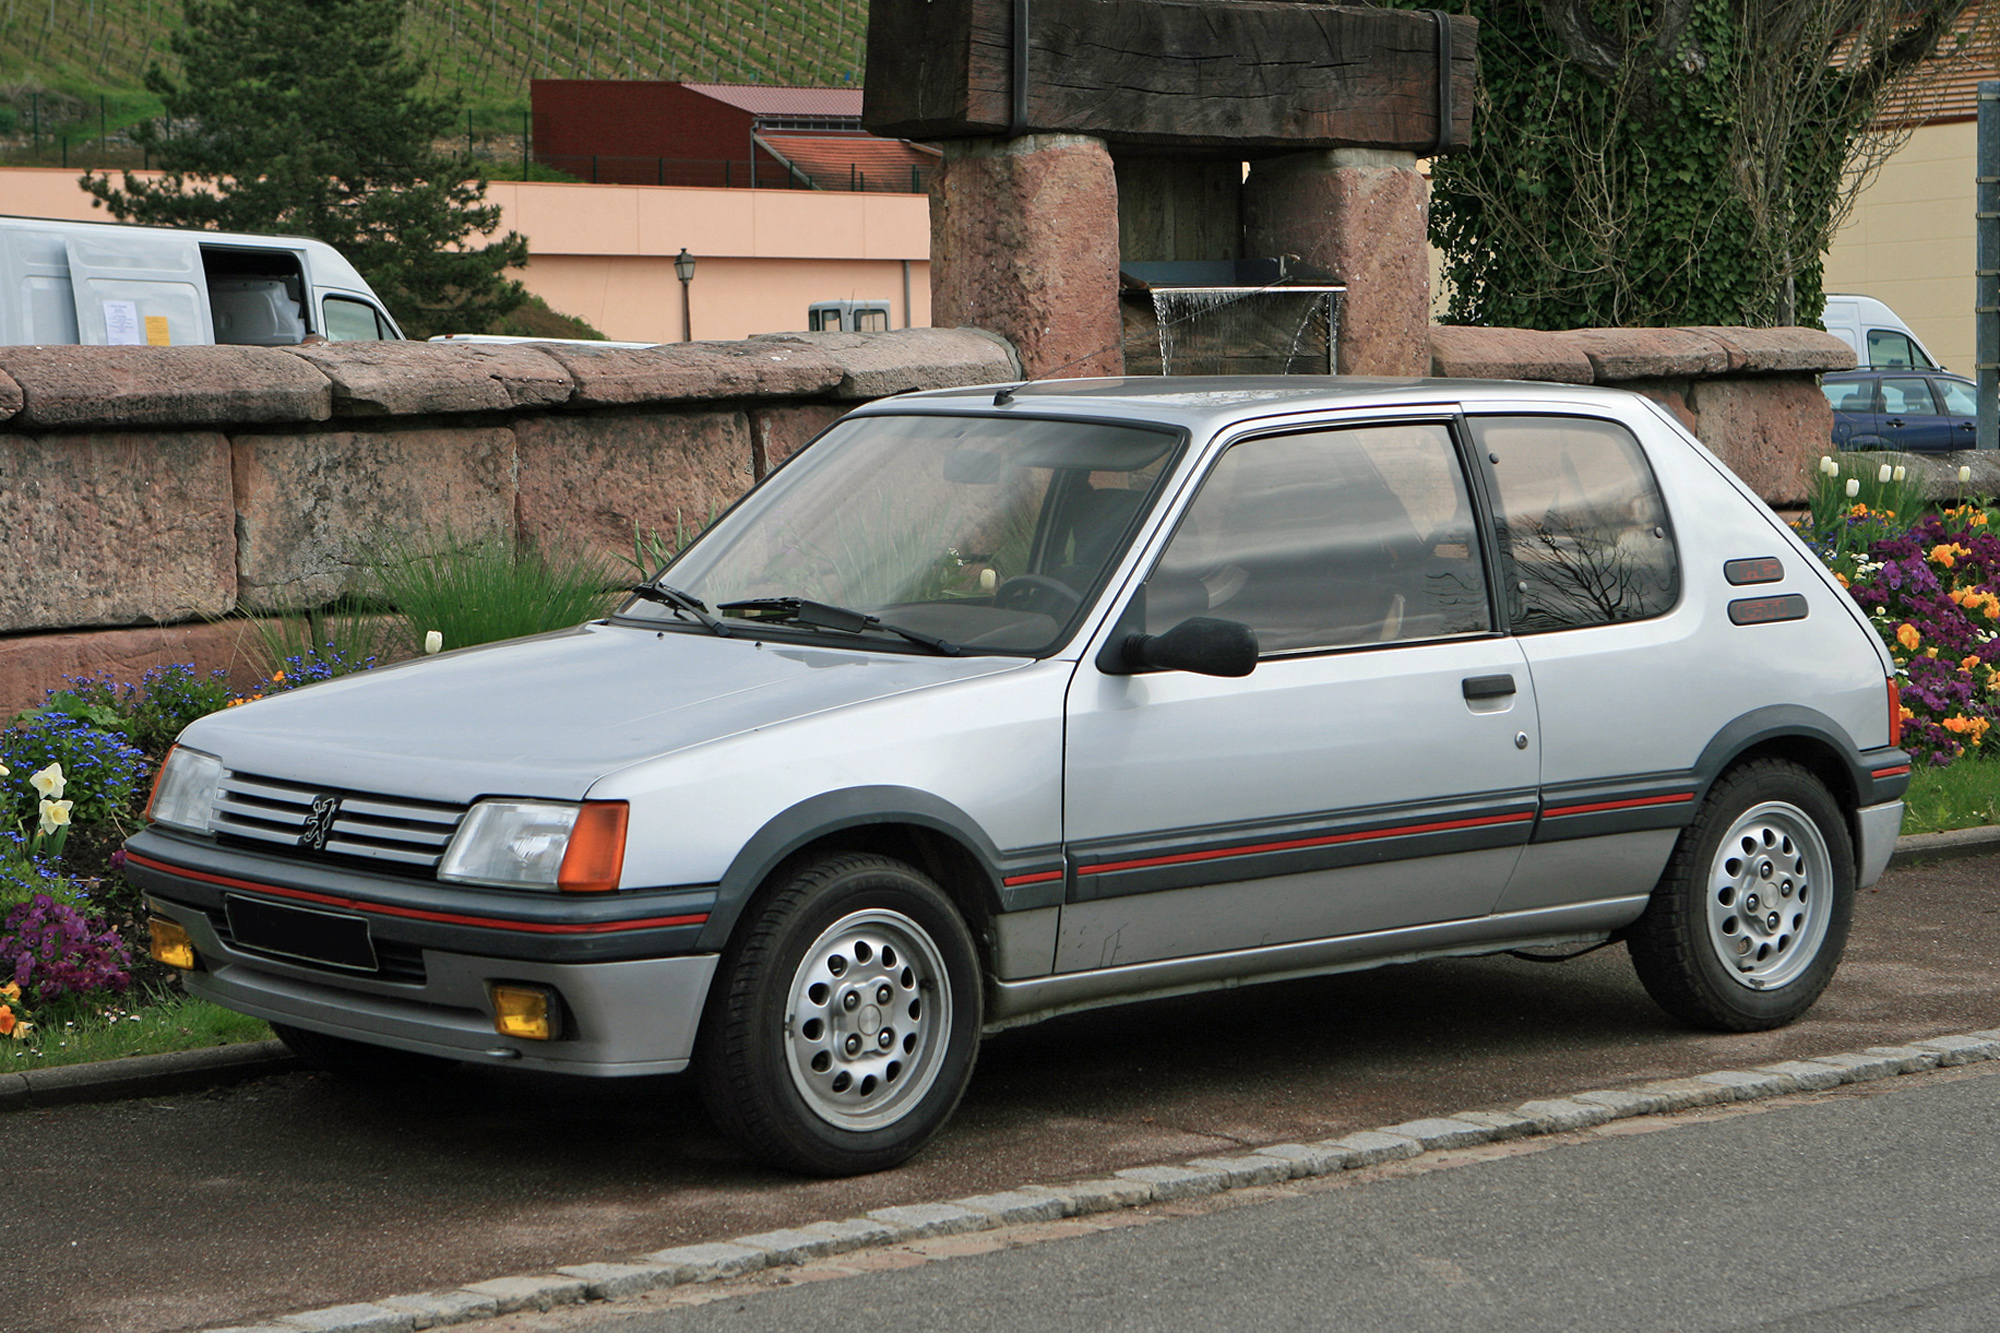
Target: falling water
x,y
1245,330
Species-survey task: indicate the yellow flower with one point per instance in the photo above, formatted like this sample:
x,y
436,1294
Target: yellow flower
x,y
1978,520
11,990
1906,634
1857,510
277,676
49,782
1931,653
1843,580
55,814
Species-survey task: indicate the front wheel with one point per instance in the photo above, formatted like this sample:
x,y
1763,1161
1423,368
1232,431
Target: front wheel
x,y
1748,923
845,1020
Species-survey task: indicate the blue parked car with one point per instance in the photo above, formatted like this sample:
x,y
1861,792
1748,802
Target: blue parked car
x,y
1919,412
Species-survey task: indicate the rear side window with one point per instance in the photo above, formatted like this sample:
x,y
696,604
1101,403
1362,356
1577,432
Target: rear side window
x,y
354,321
1329,539
1849,395
1581,526
1908,397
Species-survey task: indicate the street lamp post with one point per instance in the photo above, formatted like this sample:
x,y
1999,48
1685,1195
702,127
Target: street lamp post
x,y
684,270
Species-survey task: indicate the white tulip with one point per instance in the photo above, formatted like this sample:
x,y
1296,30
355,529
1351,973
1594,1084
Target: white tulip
x,y
1827,466
1965,474
1901,472
1853,487
1883,474
433,641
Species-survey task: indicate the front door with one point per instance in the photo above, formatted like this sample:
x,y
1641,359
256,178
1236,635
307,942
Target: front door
x,y
1379,767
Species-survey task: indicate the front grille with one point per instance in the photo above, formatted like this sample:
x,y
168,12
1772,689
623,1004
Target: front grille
x,y
384,833
400,963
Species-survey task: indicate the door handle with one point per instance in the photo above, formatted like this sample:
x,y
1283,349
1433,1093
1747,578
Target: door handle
x,y
1487,687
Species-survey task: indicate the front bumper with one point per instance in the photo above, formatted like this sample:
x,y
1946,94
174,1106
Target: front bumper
x,y
626,1009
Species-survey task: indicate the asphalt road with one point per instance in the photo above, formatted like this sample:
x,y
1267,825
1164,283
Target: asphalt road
x,y
1830,1214
297,1191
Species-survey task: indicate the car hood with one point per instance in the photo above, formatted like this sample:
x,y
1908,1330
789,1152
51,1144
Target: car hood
x,y
550,715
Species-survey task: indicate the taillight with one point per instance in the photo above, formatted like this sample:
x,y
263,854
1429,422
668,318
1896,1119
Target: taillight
x,y
1895,713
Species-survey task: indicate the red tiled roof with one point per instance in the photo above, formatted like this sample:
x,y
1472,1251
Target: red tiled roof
x,y
1946,88
837,159
765,100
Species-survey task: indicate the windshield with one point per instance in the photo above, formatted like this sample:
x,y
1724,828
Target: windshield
x,y
990,533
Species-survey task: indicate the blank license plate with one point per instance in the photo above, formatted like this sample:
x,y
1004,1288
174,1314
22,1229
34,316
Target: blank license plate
x,y
300,932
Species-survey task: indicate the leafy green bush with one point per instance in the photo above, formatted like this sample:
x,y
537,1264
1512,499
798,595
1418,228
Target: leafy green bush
x,y
100,772
149,714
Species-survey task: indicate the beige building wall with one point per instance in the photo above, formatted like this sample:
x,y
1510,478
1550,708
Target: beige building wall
x,y
1909,240
605,253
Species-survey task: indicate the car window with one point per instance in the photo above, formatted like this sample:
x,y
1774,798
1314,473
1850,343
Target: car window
x,y
1849,395
353,321
1582,527
1329,539
1960,399
1908,397
1890,350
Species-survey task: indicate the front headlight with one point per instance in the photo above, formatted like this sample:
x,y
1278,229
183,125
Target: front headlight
x,y
184,792
539,845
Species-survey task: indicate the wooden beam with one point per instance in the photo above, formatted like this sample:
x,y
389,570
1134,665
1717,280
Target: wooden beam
x,y
1250,77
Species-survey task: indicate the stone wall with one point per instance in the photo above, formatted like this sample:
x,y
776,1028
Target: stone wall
x,y
1751,395
146,493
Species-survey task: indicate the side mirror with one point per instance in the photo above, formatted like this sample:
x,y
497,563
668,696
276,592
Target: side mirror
x,y
1201,644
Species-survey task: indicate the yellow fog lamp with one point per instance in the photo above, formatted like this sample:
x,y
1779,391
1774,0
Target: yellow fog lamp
x,y
530,1012
171,944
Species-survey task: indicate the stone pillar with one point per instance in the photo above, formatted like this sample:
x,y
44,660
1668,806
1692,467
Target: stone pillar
x,y
1024,242
1360,214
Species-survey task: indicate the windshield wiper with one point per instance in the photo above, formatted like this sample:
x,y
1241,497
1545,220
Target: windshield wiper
x,y
680,603
800,611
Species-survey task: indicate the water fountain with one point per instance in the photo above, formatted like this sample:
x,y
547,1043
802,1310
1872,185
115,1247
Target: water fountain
x,y
1229,317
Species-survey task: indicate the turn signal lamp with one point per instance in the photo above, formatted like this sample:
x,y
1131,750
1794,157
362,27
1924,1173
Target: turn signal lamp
x,y
171,944
528,1012
595,856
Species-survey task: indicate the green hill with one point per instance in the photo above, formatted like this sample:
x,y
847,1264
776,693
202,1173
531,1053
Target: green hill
x,y
70,62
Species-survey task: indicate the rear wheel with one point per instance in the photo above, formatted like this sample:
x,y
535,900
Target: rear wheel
x,y
1748,924
357,1061
845,1020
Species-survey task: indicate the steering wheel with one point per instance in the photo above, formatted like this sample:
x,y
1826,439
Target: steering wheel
x,y
1035,592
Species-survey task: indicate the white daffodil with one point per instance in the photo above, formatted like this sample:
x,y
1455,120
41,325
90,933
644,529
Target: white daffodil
x,y
1853,487
49,782
55,814
1883,473
4,770
433,641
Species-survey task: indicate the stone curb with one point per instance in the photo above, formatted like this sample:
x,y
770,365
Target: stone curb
x,y
1133,1187
1947,846
144,1075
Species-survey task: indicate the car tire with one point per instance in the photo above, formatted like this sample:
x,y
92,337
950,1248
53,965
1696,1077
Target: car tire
x,y
1748,923
357,1061
844,1020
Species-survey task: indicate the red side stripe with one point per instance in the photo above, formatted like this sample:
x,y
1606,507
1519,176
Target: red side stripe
x,y
415,914
1678,798
1896,772
1184,858
1039,877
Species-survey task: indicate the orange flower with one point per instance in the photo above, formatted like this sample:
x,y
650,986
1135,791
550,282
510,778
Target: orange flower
x,y
1947,554
1966,664
1843,580
1906,634
7,1020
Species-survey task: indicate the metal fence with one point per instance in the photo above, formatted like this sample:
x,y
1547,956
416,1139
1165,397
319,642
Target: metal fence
x,y
741,173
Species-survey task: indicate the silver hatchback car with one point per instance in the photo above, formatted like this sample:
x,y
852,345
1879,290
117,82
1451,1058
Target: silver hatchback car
x,y
997,704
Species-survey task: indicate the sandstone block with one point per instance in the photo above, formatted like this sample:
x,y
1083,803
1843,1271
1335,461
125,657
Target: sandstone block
x,y
1360,215
679,372
1463,352
1636,354
163,386
31,664
105,529
1765,351
1670,394
1768,430
10,398
778,432
1024,241
372,379
876,365
594,479
312,508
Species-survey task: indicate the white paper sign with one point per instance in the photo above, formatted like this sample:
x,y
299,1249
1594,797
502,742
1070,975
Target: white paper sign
x,y
121,324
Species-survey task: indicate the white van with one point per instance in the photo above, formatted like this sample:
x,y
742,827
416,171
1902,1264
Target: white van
x,y
1880,339
847,317
108,283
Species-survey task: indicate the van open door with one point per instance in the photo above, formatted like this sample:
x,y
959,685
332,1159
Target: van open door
x,y
134,287
35,264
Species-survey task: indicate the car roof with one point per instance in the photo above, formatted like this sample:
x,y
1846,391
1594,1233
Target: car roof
x,y
1877,372
1205,400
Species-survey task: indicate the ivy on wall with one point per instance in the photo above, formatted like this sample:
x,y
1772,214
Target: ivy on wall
x,y
1662,162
